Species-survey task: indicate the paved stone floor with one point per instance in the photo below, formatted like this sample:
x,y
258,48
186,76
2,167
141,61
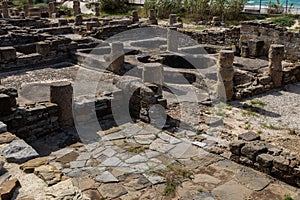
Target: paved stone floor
x,y
138,161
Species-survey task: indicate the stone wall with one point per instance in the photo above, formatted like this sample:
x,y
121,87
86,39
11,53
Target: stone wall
x,y
228,36
253,32
27,122
249,150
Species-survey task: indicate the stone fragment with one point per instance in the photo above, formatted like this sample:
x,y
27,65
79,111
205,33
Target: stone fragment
x,y
155,179
7,137
8,188
19,151
168,138
252,149
236,146
231,191
3,127
30,165
84,183
249,136
136,159
111,162
252,179
144,139
64,190
205,178
106,177
265,160
281,163
112,190
50,174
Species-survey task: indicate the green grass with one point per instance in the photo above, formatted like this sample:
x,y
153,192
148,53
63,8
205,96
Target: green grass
x,y
288,197
174,176
270,126
200,190
258,102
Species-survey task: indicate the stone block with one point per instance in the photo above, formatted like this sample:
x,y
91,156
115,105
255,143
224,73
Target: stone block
x,y
236,146
281,163
7,54
43,48
249,136
252,149
265,160
3,127
5,106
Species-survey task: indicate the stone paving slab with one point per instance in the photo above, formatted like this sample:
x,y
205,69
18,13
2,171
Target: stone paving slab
x,y
123,168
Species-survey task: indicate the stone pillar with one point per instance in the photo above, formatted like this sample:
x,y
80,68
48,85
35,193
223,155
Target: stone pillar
x,y
135,17
152,17
276,55
25,8
172,40
61,93
52,8
245,51
30,3
153,73
216,21
117,56
225,75
5,9
97,9
78,20
172,19
76,7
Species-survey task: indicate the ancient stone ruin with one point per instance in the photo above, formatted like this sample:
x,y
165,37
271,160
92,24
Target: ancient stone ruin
x,y
104,107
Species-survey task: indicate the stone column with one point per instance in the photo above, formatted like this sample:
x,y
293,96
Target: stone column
x,y
172,19
97,9
225,75
172,40
117,56
61,93
52,8
25,8
76,7
152,17
276,55
5,9
135,17
78,20
153,73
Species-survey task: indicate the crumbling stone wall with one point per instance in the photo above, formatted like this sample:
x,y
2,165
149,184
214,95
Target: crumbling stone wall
x,y
253,32
27,122
228,36
251,151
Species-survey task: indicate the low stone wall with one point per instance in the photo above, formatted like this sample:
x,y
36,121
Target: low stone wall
x,y
249,150
30,123
229,36
265,33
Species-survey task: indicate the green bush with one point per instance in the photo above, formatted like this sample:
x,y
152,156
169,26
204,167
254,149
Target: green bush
x,y
284,21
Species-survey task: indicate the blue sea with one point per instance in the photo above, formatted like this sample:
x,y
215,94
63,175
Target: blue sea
x,y
283,2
